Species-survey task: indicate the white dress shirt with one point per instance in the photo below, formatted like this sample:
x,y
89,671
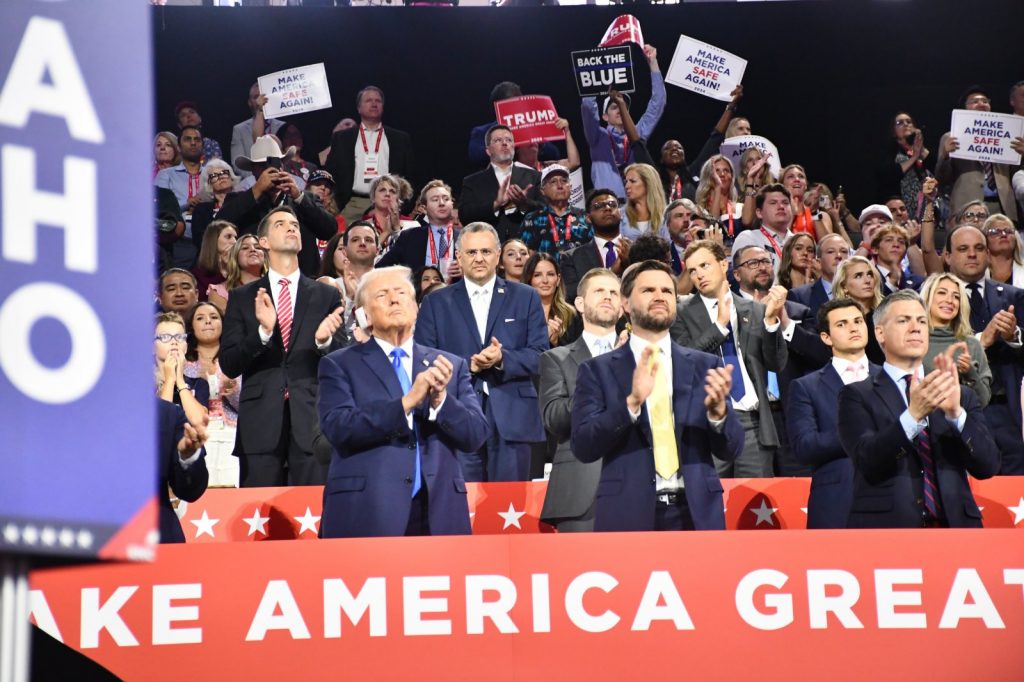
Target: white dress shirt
x,y
275,294
851,372
910,427
480,302
407,366
360,185
593,340
749,402
664,344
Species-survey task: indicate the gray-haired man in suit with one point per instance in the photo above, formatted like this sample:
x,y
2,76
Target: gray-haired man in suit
x,y
569,503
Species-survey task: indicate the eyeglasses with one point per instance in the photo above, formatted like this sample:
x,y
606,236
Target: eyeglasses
x,y
599,205
999,231
904,123
167,338
755,263
218,175
975,216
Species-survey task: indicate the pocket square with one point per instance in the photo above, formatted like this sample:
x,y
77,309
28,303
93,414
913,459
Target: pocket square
x,y
510,319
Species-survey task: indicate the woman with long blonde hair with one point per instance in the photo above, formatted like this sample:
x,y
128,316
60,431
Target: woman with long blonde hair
x,y
717,196
857,278
645,201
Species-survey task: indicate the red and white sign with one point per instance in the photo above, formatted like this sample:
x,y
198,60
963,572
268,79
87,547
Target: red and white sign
x,y
918,604
530,117
625,29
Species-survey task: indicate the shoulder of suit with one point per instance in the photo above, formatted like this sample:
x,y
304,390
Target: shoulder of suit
x,y
694,355
250,288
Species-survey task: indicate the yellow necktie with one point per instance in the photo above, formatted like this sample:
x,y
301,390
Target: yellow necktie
x,y
666,454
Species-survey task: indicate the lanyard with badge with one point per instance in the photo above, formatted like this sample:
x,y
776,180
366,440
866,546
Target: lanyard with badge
x,y
371,162
771,240
554,230
433,247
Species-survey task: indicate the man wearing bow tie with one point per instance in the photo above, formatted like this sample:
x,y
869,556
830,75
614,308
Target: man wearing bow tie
x,y
812,408
499,328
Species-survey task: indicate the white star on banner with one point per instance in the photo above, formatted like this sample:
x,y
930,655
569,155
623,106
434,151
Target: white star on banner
x,y
511,517
11,533
803,509
307,522
204,525
257,524
1018,511
30,535
48,536
764,513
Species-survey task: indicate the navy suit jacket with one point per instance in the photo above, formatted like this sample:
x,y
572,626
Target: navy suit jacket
x,y
188,484
887,481
1007,363
410,249
811,295
373,459
603,430
812,409
906,282
516,319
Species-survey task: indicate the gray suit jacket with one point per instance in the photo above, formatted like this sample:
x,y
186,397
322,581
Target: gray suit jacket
x,y
762,351
967,180
573,484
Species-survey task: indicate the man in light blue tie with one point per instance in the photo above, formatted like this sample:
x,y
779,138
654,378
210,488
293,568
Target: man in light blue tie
x,y
395,412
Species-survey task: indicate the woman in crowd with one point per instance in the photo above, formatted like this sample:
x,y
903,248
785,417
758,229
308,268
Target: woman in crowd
x,y
334,268
513,258
246,263
212,265
737,127
645,201
166,152
1005,263
169,343
806,216
716,194
857,278
541,272
425,279
797,266
385,211
205,324
321,184
949,333
216,181
905,163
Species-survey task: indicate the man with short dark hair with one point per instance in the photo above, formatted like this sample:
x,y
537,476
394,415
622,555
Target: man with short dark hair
x,y
184,181
655,413
775,211
556,227
178,291
502,193
187,115
913,438
477,146
607,249
432,242
361,154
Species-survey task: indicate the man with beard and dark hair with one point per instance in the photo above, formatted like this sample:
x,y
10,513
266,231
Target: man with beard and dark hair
x,y
607,249
654,413
183,180
650,247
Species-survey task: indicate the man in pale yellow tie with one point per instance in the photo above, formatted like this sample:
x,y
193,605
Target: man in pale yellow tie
x,y
655,413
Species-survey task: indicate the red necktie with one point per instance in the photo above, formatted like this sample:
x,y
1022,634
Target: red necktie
x,y
284,313
923,444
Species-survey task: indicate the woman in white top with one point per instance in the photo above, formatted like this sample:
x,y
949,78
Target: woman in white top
x,y
645,201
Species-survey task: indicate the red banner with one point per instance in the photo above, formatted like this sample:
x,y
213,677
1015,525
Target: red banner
x,y
258,514
942,604
625,29
530,117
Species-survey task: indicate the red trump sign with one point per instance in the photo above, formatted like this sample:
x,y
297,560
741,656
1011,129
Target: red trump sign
x,y
531,118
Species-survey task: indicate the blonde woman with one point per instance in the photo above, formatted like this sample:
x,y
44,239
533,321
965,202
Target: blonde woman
x,y
645,201
246,263
1006,264
857,278
949,333
166,152
717,196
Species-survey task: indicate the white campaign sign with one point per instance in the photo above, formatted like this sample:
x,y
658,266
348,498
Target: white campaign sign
x,y
733,147
986,136
576,194
705,69
295,91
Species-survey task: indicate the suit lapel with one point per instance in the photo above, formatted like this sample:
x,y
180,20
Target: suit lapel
x,y
305,292
683,381
695,316
744,317
499,296
380,365
461,298
889,392
623,365
831,379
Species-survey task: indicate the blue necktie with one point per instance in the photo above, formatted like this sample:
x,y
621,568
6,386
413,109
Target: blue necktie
x,y
729,357
403,380
442,242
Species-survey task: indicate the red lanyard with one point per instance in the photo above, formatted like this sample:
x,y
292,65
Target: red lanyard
x,y
366,147
771,240
433,248
554,231
625,148
193,185
677,189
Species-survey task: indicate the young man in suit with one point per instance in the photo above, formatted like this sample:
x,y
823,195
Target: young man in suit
x,y
182,466
889,246
831,251
745,334
655,413
275,331
502,193
499,328
811,405
608,249
569,502
394,413
913,438
431,243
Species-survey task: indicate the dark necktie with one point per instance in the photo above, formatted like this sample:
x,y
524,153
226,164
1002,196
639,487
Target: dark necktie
x,y
442,242
730,357
677,265
403,380
924,451
979,311
609,258
990,175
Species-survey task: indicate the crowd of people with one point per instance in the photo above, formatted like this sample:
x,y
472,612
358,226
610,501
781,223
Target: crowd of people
x,y
354,323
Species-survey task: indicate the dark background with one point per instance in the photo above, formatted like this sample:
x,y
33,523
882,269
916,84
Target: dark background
x,y
822,82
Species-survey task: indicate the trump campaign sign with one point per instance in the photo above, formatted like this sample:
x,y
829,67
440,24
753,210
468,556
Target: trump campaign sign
x,y
531,118
76,280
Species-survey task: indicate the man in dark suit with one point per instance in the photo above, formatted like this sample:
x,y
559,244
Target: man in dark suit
x,y
745,334
608,249
889,246
569,502
433,242
395,412
502,193
811,405
913,438
655,413
831,251
182,466
275,188
364,152
499,328
275,331
997,317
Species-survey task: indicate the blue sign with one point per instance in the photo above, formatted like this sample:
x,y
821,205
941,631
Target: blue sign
x,y
77,417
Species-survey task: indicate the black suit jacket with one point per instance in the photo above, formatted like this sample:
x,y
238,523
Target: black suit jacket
x,y
341,162
887,484
479,191
410,248
188,484
577,262
811,295
245,212
267,370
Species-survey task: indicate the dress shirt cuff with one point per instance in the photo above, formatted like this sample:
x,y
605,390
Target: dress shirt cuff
x,y
1016,342
724,330
911,427
789,330
717,425
633,416
264,337
960,421
432,412
326,345
771,328
186,463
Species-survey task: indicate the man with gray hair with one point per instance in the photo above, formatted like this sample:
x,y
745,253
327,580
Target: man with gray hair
x,y
912,437
497,326
394,411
